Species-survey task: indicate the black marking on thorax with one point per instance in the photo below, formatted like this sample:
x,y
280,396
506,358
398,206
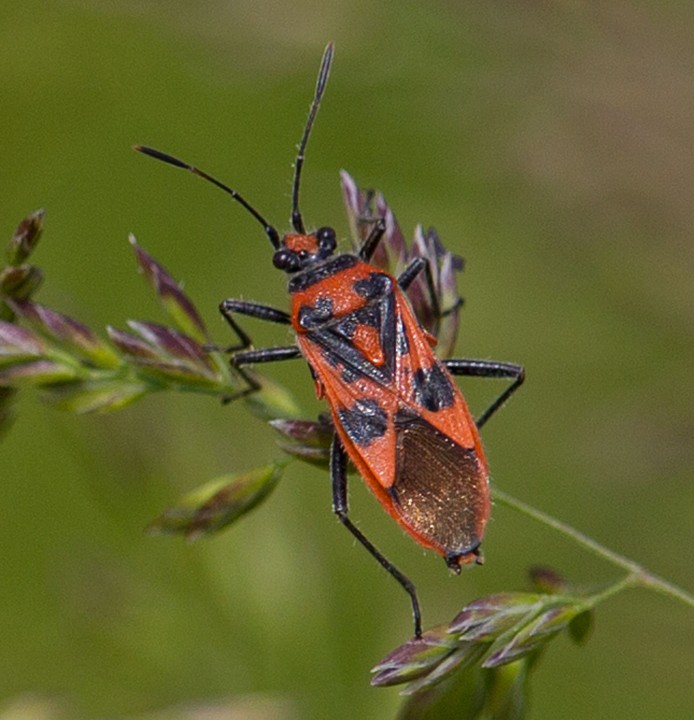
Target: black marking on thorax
x,y
306,278
334,337
376,285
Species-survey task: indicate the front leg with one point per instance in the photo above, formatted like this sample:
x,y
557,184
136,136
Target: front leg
x,y
262,312
410,274
257,310
371,243
250,357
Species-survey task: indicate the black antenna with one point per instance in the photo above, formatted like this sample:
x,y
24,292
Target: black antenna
x,y
297,220
270,231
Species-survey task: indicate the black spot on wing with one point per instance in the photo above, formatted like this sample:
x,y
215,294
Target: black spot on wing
x,y
440,488
365,421
316,315
348,373
433,388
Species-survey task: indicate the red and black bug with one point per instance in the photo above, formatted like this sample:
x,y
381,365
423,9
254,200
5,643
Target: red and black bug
x,y
396,410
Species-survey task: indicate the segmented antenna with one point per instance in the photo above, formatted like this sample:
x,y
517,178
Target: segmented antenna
x,y
270,230
297,220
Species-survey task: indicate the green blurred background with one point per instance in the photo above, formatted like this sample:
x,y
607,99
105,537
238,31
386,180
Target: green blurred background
x,y
551,144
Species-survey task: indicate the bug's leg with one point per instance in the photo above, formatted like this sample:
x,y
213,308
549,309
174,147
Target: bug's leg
x,y
473,368
256,310
262,312
410,273
489,369
338,474
250,357
371,243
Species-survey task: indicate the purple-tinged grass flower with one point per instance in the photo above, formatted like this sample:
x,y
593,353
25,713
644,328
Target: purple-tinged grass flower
x,y
533,635
549,581
218,503
18,280
416,658
306,439
166,354
25,238
486,618
19,343
437,307
19,283
499,637
22,360
97,394
68,333
175,303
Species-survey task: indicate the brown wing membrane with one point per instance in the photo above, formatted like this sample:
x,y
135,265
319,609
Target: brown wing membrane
x,y
441,489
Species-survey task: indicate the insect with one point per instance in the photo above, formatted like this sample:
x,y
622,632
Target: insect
x,y
397,413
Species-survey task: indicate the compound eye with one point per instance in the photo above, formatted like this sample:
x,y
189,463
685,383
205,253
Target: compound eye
x,y
326,240
285,260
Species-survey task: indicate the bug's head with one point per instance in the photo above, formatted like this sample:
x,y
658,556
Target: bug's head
x,y
298,251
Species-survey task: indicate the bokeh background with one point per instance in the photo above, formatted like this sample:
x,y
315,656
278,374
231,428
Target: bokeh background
x,y
551,144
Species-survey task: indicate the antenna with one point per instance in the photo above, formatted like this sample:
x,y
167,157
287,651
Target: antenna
x,y
297,220
270,230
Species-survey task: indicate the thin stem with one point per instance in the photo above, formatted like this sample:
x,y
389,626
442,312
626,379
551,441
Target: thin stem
x,y
638,575
623,583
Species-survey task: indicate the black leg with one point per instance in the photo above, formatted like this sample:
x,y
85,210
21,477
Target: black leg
x,y
473,368
410,273
371,243
266,355
338,474
262,312
250,357
489,369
